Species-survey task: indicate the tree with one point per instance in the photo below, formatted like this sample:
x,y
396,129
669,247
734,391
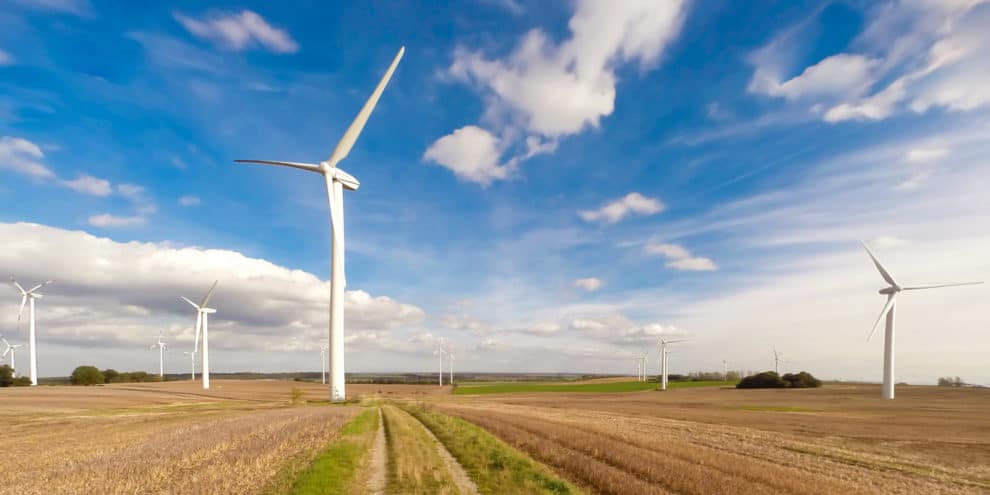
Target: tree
x,y
6,376
801,380
767,379
110,375
86,375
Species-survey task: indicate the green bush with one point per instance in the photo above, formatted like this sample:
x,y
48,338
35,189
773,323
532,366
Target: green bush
x,y
21,381
6,376
767,379
86,375
801,380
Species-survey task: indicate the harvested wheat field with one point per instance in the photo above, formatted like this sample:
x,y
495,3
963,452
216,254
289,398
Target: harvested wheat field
x,y
838,439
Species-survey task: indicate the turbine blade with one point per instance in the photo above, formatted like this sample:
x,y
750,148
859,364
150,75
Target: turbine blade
x,y
206,300
883,312
350,136
883,271
309,167
188,301
919,287
24,300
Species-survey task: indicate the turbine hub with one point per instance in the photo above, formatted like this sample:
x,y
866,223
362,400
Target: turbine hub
x,y
893,289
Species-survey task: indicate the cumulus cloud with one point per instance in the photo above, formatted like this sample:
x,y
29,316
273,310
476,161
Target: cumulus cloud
x,y
115,294
466,324
24,157
839,75
545,90
680,258
189,201
471,152
239,31
589,284
90,185
632,203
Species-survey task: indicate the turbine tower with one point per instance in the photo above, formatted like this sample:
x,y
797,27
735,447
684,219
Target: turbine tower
x,y
11,349
451,356
725,370
202,321
31,295
662,354
776,360
192,363
336,181
439,352
323,363
891,291
161,346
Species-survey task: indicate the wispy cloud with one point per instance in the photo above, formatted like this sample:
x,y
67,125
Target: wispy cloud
x,y
590,284
680,258
633,203
87,184
239,31
24,157
188,201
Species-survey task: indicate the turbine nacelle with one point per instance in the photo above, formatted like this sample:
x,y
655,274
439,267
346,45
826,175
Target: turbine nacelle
x,y
894,289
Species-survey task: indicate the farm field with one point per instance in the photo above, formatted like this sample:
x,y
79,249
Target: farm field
x,y
602,386
837,439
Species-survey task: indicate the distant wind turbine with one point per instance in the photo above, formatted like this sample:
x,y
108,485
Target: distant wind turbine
x,y
202,322
11,349
450,355
891,291
725,370
336,181
439,352
161,346
662,354
777,360
192,363
31,295
323,363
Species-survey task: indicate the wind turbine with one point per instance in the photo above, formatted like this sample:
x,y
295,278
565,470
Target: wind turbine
x,y
776,361
336,181
439,352
11,349
323,363
891,291
202,321
662,353
31,295
161,346
451,356
725,370
192,363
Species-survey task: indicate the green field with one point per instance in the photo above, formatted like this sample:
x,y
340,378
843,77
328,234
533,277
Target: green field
x,y
521,387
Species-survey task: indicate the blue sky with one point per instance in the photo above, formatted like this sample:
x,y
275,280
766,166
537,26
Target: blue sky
x,y
550,185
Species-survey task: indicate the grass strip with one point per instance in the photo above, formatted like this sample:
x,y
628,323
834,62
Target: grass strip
x,y
634,386
414,464
493,465
335,471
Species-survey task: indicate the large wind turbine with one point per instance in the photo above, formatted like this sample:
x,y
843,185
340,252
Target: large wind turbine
x,y
891,291
202,322
336,181
31,295
662,353
11,349
161,346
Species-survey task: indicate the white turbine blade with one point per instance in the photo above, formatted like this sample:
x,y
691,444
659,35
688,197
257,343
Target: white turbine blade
x,y
36,287
883,271
883,313
350,136
23,302
190,302
14,281
209,294
919,287
7,351
309,167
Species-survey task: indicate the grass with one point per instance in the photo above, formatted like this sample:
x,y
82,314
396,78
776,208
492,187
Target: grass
x,y
336,470
414,464
493,465
607,387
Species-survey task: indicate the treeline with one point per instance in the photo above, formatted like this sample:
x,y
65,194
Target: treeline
x,y
7,378
770,379
91,375
951,381
704,376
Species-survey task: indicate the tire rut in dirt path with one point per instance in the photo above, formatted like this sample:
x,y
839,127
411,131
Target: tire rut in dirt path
x,y
377,468
464,483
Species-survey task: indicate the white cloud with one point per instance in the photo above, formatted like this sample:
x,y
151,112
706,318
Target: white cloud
x,y
471,152
680,258
465,323
75,7
189,201
925,154
589,284
839,75
546,90
632,203
115,294
90,185
105,220
5,58
24,157
240,31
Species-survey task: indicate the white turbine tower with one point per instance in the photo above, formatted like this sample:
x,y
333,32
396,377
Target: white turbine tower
x,y
202,322
439,352
161,346
323,363
725,370
451,356
336,181
891,291
662,354
192,363
31,295
11,349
